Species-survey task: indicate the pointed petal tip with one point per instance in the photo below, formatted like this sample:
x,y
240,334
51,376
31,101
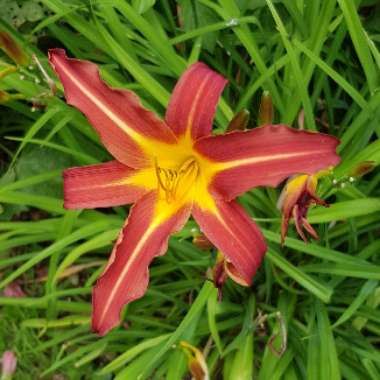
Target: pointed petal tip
x,y
265,156
99,330
55,53
125,127
125,279
99,326
194,100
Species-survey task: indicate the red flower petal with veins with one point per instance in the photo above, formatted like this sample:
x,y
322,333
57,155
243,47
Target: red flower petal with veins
x,y
265,156
193,103
101,185
124,126
234,232
144,236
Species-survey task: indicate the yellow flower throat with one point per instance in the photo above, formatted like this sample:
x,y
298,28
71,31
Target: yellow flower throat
x,y
177,182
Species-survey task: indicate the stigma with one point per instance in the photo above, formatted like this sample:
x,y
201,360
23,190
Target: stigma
x,y
177,182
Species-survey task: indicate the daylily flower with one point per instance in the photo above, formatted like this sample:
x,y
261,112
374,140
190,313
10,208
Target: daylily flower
x,y
173,168
297,196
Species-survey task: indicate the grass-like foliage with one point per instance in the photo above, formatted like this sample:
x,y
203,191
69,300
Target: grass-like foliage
x,y
312,312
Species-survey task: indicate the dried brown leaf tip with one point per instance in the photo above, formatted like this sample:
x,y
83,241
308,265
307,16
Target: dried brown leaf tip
x,y
6,71
6,97
12,48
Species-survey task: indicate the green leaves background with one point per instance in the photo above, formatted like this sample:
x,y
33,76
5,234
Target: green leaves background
x,y
318,300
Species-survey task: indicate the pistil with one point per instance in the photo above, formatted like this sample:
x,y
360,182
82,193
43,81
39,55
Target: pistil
x,y
176,183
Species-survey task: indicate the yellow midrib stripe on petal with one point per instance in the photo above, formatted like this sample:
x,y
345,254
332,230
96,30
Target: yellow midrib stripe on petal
x,y
210,206
194,106
253,160
161,215
116,119
125,271
242,245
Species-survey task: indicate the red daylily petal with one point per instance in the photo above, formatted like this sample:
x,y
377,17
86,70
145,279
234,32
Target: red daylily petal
x,y
265,156
234,233
102,185
126,128
144,236
193,102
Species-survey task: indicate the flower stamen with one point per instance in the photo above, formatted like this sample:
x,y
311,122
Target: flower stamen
x,y
169,179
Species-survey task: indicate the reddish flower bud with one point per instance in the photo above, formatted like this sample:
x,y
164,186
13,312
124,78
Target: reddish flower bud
x,y
9,364
12,49
239,122
296,198
196,361
13,290
222,270
219,275
266,112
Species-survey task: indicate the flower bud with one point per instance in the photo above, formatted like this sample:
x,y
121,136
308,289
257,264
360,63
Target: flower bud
x,y
266,112
13,290
201,242
239,122
297,196
222,270
8,365
12,49
196,361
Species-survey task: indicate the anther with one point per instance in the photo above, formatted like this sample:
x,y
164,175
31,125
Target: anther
x,y
169,179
